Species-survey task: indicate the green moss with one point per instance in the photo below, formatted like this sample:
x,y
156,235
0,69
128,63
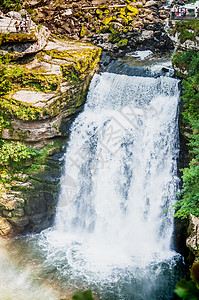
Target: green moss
x,y
188,63
132,9
15,4
82,32
107,20
83,62
20,110
17,37
123,43
15,77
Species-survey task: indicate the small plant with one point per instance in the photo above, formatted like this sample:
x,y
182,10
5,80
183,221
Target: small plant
x,y
188,289
79,295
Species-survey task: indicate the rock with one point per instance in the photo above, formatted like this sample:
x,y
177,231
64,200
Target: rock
x,y
14,15
38,99
146,35
98,2
19,212
138,4
150,17
1,15
68,12
193,240
33,2
19,222
21,48
5,227
151,3
23,12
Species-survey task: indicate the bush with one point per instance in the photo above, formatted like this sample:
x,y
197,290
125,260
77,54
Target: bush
x,y
14,152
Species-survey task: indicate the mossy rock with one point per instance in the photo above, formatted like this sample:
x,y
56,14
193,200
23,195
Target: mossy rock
x,y
107,20
18,37
82,32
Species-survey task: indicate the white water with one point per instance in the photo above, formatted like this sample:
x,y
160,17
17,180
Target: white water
x,y
119,185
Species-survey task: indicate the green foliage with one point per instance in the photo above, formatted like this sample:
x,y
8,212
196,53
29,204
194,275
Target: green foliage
x,y
123,43
188,62
190,98
187,290
5,82
189,202
79,295
11,4
14,108
4,122
187,30
14,153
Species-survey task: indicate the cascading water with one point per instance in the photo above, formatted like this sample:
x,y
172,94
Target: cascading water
x,y
113,227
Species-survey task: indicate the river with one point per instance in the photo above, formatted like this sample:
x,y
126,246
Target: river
x,y
113,230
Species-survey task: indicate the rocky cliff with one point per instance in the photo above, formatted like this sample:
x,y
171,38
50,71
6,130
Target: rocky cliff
x,y
116,26
43,86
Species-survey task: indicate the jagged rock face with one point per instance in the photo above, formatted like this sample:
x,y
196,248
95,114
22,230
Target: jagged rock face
x,y
19,44
29,199
192,241
61,59
115,26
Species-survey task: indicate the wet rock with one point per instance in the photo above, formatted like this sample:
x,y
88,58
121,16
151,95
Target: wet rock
x,y
5,227
19,222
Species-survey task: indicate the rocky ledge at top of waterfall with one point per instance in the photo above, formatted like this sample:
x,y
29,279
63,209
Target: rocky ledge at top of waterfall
x,y
115,26
44,81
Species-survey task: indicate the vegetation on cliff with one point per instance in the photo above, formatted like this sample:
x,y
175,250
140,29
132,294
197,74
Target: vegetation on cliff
x,y
187,64
187,30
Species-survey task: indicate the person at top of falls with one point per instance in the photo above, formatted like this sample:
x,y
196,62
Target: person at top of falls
x,y
173,10
196,12
185,12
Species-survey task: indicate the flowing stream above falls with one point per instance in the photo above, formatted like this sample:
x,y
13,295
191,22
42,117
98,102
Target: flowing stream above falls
x,y
114,221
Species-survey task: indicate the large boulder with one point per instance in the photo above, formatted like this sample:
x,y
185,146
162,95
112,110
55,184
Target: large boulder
x,y
14,15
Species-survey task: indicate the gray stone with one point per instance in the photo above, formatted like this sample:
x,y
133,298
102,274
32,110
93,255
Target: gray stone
x,y
38,99
68,12
146,35
19,222
14,15
151,3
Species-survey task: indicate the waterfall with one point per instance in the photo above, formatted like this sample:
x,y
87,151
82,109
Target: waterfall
x,y
114,214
